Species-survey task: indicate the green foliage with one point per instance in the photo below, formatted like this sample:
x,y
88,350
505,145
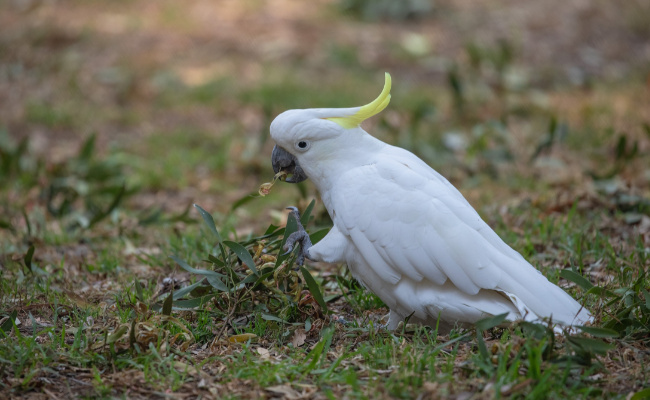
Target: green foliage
x,y
49,115
99,185
17,167
9,323
28,257
630,309
176,167
83,190
313,288
105,310
245,277
557,132
373,10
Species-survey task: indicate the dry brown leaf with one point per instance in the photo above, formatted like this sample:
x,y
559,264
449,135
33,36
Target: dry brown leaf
x,y
299,337
507,390
77,300
183,367
286,391
242,338
265,354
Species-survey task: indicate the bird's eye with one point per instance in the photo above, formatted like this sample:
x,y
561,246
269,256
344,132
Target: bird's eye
x,y
302,145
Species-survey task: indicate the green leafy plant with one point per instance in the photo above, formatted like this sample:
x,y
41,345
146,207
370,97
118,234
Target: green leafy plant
x,y
254,275
373,10
84,188
17,167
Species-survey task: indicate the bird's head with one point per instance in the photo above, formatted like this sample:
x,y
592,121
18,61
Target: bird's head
x,y
305,137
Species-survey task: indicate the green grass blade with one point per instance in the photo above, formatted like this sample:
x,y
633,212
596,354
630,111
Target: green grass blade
x,y
167,304
490,322
641,394
270,230
576,278
209,221
7,225
252,278
599,332
314,289
116,202
138,290
214,278
242,253
269,317
291,227
482,349
450,342
132,339
115,336
304,219
591,345
87,149
319,350
187,289
203,272
192,303
318,235
27,223
238,203
28,257
9,323
217,284
601,292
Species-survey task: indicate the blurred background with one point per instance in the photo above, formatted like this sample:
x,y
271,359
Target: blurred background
x,y
545,101
116,116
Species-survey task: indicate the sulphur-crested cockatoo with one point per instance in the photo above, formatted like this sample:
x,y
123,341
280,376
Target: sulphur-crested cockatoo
x,y
404,231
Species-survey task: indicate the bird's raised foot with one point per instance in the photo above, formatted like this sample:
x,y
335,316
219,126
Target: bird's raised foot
x,y
301,237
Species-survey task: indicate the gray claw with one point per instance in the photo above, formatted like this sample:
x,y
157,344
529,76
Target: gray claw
x,y
288,251
300,236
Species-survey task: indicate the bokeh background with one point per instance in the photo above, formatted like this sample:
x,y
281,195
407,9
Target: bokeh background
x,y
181,94
116,116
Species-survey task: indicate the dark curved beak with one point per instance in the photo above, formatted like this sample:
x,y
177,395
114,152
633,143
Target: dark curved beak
x,y
282,160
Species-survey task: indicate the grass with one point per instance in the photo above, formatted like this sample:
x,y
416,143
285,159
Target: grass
x,y
113,285
172,345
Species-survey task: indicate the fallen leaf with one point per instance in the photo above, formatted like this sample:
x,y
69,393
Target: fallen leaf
x,y
186,368
286,391
77,300
299,337
242,338
507,390
265,354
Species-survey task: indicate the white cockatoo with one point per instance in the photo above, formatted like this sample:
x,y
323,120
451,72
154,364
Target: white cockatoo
x,y
404,231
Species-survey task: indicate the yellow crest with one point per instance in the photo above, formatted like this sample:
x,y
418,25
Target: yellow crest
x,y
368,110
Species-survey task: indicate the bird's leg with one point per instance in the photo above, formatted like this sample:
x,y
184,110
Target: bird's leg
x,y
393,321
300,236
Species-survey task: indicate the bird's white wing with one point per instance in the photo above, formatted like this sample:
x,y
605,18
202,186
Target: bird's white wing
x,y
407,224
407,220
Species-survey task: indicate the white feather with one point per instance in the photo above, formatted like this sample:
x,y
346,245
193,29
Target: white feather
x,y
410,237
